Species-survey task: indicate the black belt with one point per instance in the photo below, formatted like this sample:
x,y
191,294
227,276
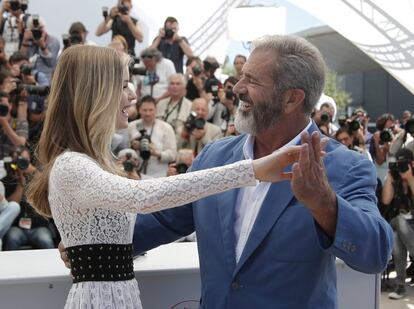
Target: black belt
x,y
101,262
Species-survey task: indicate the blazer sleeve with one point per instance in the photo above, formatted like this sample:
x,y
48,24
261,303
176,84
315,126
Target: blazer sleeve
x,y
363,239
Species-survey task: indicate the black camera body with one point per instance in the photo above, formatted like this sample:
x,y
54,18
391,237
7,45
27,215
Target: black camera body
x,y
386,136
41,91
37,34
15,5
194,122
26,69
182,168
144,142
325,118
355,125
128,164
137,70
212,86
169,33
197,70
123,9
4,110
105,12
400,166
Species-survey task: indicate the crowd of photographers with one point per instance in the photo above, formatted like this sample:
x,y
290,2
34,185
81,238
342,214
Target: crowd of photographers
x,y
182,105
389,145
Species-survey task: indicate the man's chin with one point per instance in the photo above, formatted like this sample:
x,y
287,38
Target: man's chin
x,y
244,122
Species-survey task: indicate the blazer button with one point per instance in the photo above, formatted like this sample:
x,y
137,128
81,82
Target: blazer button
x,y
235,285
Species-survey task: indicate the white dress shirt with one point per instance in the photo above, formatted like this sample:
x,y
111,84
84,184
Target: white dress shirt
x,y
250,199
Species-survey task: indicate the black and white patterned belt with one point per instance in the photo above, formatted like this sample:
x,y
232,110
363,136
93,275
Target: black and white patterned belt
x,y
101,262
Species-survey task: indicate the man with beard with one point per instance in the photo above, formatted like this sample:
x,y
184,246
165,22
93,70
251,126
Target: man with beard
x,y
274,245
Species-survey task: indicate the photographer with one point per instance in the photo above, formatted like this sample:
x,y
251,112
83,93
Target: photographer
x,y
13,131
13,25
185,158
130,162
30,228
77,35
198,132
195,78
176,108
403,138
154,139
397,196
171,44
226,109
120,22
154,79
380,143
22,69
41,47
345,136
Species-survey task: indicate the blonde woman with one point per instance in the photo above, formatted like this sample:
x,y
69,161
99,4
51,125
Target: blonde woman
x,y
93,204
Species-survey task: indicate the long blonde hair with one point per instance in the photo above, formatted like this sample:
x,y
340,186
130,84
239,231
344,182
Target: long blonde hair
x,y
83,105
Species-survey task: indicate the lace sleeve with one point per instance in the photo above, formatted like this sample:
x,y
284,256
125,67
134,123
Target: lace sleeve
x,y
82,180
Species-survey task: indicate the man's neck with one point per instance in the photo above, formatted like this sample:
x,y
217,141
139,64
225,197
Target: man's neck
x,y
175,99
148,124
279,135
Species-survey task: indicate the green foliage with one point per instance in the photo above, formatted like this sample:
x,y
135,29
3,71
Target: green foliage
x,y
333,89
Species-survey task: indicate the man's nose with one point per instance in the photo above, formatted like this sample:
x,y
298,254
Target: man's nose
x,y
239,88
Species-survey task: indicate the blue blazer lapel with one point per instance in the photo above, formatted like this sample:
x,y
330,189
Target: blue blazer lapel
x,y
277,199
226,203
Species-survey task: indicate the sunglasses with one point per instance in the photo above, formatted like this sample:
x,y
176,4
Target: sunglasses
x,y
147,56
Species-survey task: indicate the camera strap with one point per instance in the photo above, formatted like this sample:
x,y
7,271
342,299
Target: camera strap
x,y
168,111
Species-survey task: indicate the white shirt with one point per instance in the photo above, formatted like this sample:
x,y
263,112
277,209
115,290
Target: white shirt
x,y
164,69
250,199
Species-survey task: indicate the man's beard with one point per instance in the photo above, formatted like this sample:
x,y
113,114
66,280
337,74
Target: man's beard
x,y
262,115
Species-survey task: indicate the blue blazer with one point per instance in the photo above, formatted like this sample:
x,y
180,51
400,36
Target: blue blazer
x,y
288,261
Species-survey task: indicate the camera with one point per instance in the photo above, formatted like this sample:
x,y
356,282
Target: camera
x,y
229,94
128,164
182,168
197,70
325,118
386,136
144,148
169,33
15,5
41,91
26,69
23,5
138,70
4,110
18,163
123,9
212,86
35,19
105,11
194,122
37,34
355,125
342,121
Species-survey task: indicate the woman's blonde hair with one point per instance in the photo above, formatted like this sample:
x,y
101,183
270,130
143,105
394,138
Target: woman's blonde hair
x,y
83,106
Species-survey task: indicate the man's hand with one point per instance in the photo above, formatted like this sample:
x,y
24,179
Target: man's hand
x,y
27,36
9,85
408,175
310,184
64,255
198,133
135,144
154,151
126,19
172,169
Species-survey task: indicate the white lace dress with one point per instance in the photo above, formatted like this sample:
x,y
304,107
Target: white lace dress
x,y
92,206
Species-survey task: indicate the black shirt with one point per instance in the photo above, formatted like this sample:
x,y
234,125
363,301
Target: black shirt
x,y
121,28
174,52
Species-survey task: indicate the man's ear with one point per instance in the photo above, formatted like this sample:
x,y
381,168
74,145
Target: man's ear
x,y
293,100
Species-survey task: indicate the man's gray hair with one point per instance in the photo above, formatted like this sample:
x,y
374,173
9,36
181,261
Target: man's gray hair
x,y
180,76
299,66
154,52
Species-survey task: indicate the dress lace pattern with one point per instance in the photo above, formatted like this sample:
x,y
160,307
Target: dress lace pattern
x,y
92,206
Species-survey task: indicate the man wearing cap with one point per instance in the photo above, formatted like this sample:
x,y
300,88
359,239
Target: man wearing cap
x,y
41,47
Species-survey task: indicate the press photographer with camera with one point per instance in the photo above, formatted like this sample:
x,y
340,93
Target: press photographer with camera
x,y
185,158
131,163
41,47
120,22
13,19
404,138
30,228
22,68
397,196
195,78
77,34
225,111
153,76
171,44
346,137
380,143
14,131
238,64
176,108
153,138
212,85
198,132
